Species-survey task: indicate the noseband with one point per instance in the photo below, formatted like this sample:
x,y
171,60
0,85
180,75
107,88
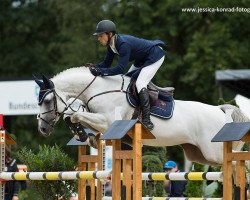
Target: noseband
x,y
55,110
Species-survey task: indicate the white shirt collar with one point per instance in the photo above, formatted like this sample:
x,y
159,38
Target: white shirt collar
x,y
113,46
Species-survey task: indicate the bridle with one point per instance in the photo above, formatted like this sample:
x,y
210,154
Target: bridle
x,y
59,114
55,110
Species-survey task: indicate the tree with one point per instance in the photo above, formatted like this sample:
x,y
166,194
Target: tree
x,y
48,36
49,159
198,43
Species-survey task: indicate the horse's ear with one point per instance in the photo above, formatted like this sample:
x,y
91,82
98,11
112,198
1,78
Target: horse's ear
x,y
48,83
39,83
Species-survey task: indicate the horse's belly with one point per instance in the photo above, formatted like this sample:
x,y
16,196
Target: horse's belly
x,y
158,143
168,134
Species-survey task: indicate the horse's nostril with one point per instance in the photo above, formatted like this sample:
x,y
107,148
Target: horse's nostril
x,y
43,130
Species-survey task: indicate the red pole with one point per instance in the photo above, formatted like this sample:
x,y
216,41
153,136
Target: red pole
x,y
1,122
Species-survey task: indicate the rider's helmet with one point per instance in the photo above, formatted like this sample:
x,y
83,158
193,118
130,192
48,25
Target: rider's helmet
x,y
105,26
169,165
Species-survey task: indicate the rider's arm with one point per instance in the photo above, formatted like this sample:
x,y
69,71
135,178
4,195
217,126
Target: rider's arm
x,y
107,60
124,54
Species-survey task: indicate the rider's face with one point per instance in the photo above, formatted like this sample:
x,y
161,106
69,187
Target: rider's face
x,y
103,38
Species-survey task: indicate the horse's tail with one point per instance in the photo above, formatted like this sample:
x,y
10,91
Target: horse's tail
x,y
237,115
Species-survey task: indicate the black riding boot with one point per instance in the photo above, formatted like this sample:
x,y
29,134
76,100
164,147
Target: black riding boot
x,y
145,107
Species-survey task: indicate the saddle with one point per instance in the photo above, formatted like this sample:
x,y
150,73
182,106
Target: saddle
x,y
161,100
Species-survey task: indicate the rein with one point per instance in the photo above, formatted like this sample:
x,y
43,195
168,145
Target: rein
x,y
106,92
59,114
80,93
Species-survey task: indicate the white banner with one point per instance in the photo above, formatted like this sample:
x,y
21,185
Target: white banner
x,y
19,98
108,157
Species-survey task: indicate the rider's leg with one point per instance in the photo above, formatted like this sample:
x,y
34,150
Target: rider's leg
x,y
145,76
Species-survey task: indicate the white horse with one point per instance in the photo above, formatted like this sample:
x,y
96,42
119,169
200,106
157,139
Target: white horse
x,y
192,125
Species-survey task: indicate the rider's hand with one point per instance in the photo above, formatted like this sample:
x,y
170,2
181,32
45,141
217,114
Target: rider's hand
x,y
95,71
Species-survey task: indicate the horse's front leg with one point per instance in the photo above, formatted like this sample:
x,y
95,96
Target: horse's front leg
x,y
91,120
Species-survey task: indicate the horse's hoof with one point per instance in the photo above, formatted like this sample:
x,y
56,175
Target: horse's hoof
x,y
93,141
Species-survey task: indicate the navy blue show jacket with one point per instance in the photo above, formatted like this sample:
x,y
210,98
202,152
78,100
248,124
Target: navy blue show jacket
x,y
143,52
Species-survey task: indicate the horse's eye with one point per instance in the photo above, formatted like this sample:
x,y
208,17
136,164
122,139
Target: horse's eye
x,y
46,101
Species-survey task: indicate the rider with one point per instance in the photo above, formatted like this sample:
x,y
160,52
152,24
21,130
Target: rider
x,y
147,56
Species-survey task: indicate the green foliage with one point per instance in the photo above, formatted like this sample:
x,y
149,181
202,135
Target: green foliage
x,y
208,189
48,36
25,132
29,193
152,163
160,152
219,191
176,153
195,188
49,159
198,43
221,101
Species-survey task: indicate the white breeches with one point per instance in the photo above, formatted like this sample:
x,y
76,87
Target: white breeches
x,y
146,74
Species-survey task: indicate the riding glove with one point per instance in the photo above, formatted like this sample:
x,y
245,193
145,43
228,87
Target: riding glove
x,y
95,71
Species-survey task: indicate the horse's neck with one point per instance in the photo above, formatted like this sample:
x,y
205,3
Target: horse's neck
x,y
72,84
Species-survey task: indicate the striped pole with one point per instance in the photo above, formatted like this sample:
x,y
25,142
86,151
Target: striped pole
x,y
171,198
192,176
72,175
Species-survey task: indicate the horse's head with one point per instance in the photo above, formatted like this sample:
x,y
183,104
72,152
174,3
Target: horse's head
x,y
52,105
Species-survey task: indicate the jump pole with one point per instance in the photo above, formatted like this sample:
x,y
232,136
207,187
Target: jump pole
x,y
230,132
5,139
88,162
129,159
171,198
89,175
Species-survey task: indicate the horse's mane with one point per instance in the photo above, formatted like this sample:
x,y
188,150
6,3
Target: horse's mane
x,y
74,72
70,71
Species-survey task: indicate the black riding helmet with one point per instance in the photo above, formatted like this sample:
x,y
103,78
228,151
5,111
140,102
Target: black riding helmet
x,y
105,26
